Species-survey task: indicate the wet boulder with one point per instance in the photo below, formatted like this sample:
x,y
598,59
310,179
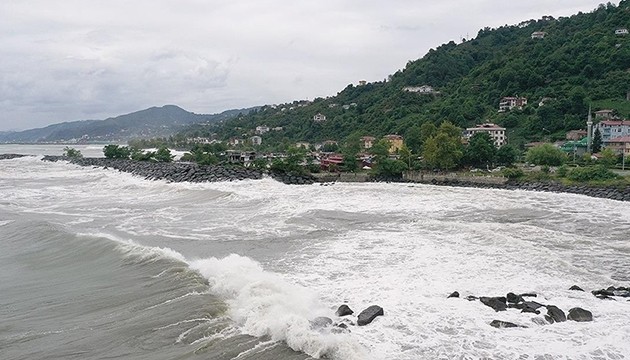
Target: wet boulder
x,y
576,288
455,294
513,298
368,315
321,322
503,324
497,303
471,298
344,310
554,314
580,315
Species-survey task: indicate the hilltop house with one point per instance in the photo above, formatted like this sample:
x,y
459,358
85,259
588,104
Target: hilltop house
x,y
576,134
621,31
235,141
262,129
302,144
612,129
319,117
538,35
368,141
496,132
256,140
605,114
395,142
510,102
424,89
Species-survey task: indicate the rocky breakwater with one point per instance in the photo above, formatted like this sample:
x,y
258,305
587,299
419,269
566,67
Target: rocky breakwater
x,y
172,172
613,193
11,156
293,179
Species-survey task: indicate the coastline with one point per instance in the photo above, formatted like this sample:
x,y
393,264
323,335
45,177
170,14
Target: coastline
x,y
191,172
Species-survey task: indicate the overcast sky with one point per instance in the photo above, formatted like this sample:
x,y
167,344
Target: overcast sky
x,y
63,60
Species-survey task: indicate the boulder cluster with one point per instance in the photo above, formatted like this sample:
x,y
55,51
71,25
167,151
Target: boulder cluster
x,y
621,194
365,317
11,156
552,314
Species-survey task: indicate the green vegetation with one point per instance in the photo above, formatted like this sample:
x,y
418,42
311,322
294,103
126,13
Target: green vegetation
x,y
591,173
116,152
579,62
72,153
163,154
546,154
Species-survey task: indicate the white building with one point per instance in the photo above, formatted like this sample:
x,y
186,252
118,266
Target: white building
x,y
621,31
319,117
538,35
511,102
424,89
256,140
612,129
262,129
496,132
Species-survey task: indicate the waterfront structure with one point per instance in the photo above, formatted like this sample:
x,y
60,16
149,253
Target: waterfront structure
x,y
497,133
395,142
510,102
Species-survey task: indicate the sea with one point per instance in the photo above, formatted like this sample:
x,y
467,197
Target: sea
x,y
99,264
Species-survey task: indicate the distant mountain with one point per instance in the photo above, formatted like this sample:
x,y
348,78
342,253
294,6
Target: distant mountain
x,y
152,122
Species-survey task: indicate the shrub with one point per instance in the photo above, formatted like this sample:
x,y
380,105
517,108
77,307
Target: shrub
x,y
562,171
513,173
72,152
591,173
163,154
546,154
116,152
139,155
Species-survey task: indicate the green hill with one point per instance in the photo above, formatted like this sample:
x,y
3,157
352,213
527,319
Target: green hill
x,y
579,62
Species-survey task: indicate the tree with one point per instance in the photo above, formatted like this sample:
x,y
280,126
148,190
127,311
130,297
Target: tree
x,y
139,155
116,152
427,130
597,141
413,138
546,154
506,155
72,153
608,158
442,152
480,150
163,154
390,168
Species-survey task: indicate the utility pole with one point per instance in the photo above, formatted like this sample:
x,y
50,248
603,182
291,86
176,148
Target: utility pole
x,y
589,131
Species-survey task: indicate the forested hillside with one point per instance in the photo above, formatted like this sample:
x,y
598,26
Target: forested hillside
x,y
581,61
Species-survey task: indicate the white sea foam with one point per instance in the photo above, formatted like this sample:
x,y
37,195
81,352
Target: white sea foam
x,y
265,304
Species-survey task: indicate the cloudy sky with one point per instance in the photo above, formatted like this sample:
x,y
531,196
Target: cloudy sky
x,y
63,60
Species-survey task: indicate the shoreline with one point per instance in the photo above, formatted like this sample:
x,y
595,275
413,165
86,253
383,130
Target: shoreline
x,y
192,172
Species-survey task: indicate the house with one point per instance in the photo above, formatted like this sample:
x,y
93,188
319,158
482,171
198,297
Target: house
x,y
510,102
256,140
302,144
576,134
368,141
621,31
424,89
240,157
362,82
262,129
331,162
604,114
620,145
538,35
612,129
575,147
496,132
395,142
278,128
235,141
319,117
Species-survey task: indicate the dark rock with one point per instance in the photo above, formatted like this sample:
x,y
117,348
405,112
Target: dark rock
x,y
454,295
321,322
603,292
503,324
622,293
513,298
529,295
580,315
368,315
344,310
497,303
471,298
576,288
604,297
540,321
554,314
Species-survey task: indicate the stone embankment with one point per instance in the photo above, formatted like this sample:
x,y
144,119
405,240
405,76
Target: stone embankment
x,y
11,156
183,171
613,193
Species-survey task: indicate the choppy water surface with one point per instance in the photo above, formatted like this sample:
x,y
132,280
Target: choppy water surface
x,y
98,264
